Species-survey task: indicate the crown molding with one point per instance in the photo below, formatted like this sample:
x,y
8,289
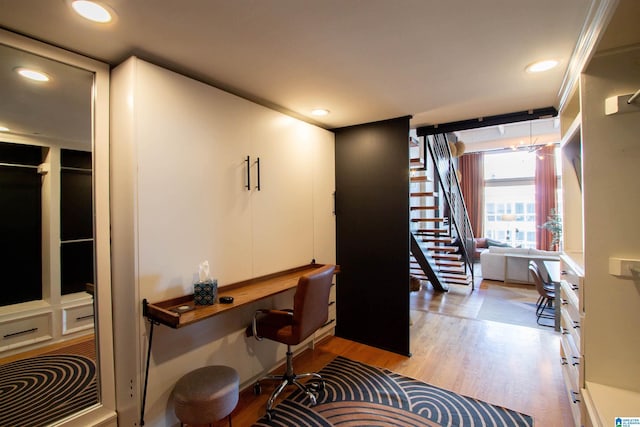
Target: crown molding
x,y
595,24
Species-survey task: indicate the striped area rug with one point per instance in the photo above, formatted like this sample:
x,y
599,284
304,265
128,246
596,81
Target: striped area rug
x,y
361,395
38,391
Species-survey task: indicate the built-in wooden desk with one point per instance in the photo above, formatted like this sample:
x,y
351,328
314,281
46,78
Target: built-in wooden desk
x,y
243,293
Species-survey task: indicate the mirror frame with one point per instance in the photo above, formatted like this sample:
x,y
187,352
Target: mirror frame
x,y
104,413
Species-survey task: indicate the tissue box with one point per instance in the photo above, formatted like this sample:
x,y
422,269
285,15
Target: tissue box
x,y
205,293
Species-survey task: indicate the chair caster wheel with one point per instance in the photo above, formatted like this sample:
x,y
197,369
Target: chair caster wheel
x,y
317,386
257,389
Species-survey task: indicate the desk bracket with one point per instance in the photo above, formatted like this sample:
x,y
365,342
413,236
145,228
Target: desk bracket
x,y
146,371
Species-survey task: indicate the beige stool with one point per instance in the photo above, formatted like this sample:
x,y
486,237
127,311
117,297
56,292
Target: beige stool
x,y
206,395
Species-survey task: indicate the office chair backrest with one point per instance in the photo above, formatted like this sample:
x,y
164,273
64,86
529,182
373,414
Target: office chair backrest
x,y
310,302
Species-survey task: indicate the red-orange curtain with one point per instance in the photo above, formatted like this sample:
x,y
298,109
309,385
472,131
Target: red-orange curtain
x,y
546,182
471,168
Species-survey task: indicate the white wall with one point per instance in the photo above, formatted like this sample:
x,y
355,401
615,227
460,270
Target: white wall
x,y
178,198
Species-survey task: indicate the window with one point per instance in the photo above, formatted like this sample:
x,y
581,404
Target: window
x,y
508,219
510,203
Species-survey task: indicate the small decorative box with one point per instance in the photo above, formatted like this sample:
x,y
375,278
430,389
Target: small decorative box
x,y
205,293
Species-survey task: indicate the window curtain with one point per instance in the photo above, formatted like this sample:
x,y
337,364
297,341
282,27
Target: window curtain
x,y
471,168
546,182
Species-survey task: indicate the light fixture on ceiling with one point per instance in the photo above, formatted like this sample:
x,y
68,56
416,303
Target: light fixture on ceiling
x,y
531,147
4,129
31,74
540,66
320,112
92,11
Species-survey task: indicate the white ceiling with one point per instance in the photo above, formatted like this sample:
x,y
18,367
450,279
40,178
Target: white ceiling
x,y
59,110
364,60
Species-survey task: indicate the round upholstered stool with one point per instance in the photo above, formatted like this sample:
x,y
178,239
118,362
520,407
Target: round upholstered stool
x,y
206,395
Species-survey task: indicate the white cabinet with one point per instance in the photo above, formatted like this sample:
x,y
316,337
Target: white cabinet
x,y
191,143
25,330
599,311
184,158
77,318
572,321
282,207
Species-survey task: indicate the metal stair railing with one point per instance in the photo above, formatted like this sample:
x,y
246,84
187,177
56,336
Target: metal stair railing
x,y
446,174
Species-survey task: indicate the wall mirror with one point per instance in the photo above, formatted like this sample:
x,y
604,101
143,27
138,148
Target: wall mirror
x,y
56,351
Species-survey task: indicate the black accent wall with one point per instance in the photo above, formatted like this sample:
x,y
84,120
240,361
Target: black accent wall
x,y
372,231
20,223
76,221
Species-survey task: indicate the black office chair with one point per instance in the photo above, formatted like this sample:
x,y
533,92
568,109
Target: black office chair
x,y
546,292
291,327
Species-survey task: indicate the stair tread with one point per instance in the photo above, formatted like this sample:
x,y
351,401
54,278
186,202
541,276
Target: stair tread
x,y
450,263
443,248
416,163
438,239
458,282
447,256
420,178
423,194
423,208
456,272
427,219
452,268
459,273
433,232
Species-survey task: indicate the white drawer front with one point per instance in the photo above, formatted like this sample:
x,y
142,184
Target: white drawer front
x,y
77,318
25,330
575,399
569,326
568,295
575,284
571,363
569,305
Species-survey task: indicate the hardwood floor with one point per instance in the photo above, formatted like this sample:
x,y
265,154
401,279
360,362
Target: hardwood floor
x,y
508,365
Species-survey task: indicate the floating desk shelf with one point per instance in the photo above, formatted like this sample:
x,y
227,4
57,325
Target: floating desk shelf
x,y
243,293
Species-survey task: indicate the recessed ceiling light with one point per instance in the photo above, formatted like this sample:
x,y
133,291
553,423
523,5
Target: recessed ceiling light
x,y
540,66
38,76
320,112
4,129
92,11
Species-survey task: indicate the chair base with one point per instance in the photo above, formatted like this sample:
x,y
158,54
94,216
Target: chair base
x,y
311,389
543,304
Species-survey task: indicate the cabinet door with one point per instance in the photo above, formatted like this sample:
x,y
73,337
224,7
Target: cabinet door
x,y
324,187
192,204
282,209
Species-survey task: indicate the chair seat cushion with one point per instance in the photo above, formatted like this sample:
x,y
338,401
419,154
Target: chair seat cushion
x,y
277,326
206,395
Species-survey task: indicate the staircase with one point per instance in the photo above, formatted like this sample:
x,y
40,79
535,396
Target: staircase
x,y
441,238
